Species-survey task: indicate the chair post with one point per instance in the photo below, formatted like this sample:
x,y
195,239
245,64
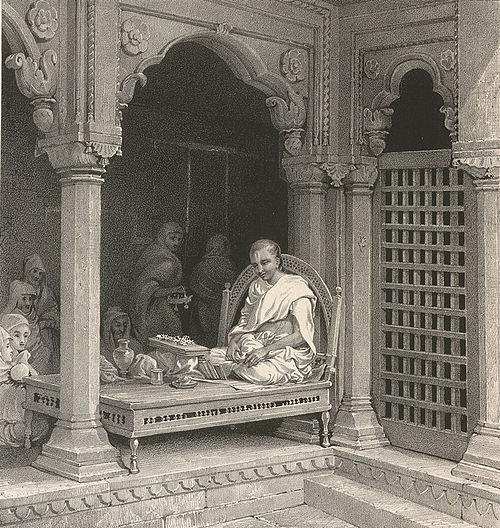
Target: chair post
x,y
224,309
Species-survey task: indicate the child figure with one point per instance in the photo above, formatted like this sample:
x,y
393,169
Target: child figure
x,y
14,366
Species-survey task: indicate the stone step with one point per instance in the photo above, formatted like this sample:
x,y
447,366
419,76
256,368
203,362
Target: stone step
x,y
366,507
299,517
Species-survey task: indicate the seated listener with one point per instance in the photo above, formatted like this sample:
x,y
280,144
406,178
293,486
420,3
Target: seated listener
x,y
14,366
273,340
115,325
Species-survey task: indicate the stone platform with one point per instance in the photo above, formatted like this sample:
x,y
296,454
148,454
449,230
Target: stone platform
x,y
193,479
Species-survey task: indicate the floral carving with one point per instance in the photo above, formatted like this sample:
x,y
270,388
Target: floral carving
x,y
294,64
372,68
135,36
376,124
42,18
448,60
224,28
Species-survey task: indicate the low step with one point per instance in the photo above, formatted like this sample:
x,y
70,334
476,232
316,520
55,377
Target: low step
x,y
367,507
299,517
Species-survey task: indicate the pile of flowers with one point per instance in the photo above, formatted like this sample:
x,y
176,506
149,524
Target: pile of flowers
x,y
178,340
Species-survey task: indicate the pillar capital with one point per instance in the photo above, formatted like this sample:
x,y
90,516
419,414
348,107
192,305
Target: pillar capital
x,y
304,173
73,159
480,159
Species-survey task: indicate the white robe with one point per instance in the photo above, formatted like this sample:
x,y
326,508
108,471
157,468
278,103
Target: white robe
x,y
272,312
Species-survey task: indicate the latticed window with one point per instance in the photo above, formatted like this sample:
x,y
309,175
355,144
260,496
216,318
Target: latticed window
x,y
423,346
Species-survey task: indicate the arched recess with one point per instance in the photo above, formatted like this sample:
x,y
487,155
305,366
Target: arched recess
x,y
36,74
377,119
287,107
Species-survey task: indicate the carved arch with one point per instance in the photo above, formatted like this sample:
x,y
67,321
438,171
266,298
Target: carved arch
x,y
18,34
377,120
401,66
287,107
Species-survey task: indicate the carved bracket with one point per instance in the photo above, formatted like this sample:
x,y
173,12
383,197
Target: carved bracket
x,y
37,80
376,124
288,118
336,171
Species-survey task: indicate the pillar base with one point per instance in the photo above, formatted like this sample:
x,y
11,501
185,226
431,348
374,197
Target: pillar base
x,y
356,425
80,453
481,461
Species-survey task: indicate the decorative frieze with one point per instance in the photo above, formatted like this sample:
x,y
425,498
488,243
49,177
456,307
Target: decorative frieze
x,y
42,18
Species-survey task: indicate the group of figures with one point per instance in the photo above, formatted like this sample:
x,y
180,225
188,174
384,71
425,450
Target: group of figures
x,y
272,342
29,345
160,286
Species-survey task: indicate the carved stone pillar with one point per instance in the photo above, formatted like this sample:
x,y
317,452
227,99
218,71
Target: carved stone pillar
x,y
79,447
478,153
307,191
356,424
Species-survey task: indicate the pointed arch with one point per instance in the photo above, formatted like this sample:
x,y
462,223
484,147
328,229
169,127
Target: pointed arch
x,y
18,34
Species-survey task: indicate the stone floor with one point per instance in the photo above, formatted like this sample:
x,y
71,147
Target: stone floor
x,y
298,517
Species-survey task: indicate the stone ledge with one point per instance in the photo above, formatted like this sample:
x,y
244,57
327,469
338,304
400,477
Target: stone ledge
x,y
422,479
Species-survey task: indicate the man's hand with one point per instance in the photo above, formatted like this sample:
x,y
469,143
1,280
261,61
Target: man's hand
x,y
256,356
231,349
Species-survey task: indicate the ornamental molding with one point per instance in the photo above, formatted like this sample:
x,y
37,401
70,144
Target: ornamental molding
x,y
294,64
42,18
100,496
91,60
303,172
37,80
479,159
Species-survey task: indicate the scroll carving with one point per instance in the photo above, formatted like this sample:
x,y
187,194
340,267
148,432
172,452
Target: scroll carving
x,y
450,120
376,124
289,118
37,80
127,87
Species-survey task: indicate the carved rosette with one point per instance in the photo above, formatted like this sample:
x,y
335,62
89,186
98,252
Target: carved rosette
x,y
294,64
376,123
42,19
37,80
447,60
372,68
134,36
289,119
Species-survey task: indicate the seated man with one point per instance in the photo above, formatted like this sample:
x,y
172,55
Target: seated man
x,y
273,340
115,325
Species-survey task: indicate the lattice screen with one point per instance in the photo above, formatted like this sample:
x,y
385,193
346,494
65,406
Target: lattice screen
x,y
423,346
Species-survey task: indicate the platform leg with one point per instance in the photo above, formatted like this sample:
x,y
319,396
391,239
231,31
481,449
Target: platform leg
x,y
28,421
134,445
325,433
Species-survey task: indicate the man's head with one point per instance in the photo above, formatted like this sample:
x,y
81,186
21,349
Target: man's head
x,y
34,270
265,257
170,235
120,328
25,302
